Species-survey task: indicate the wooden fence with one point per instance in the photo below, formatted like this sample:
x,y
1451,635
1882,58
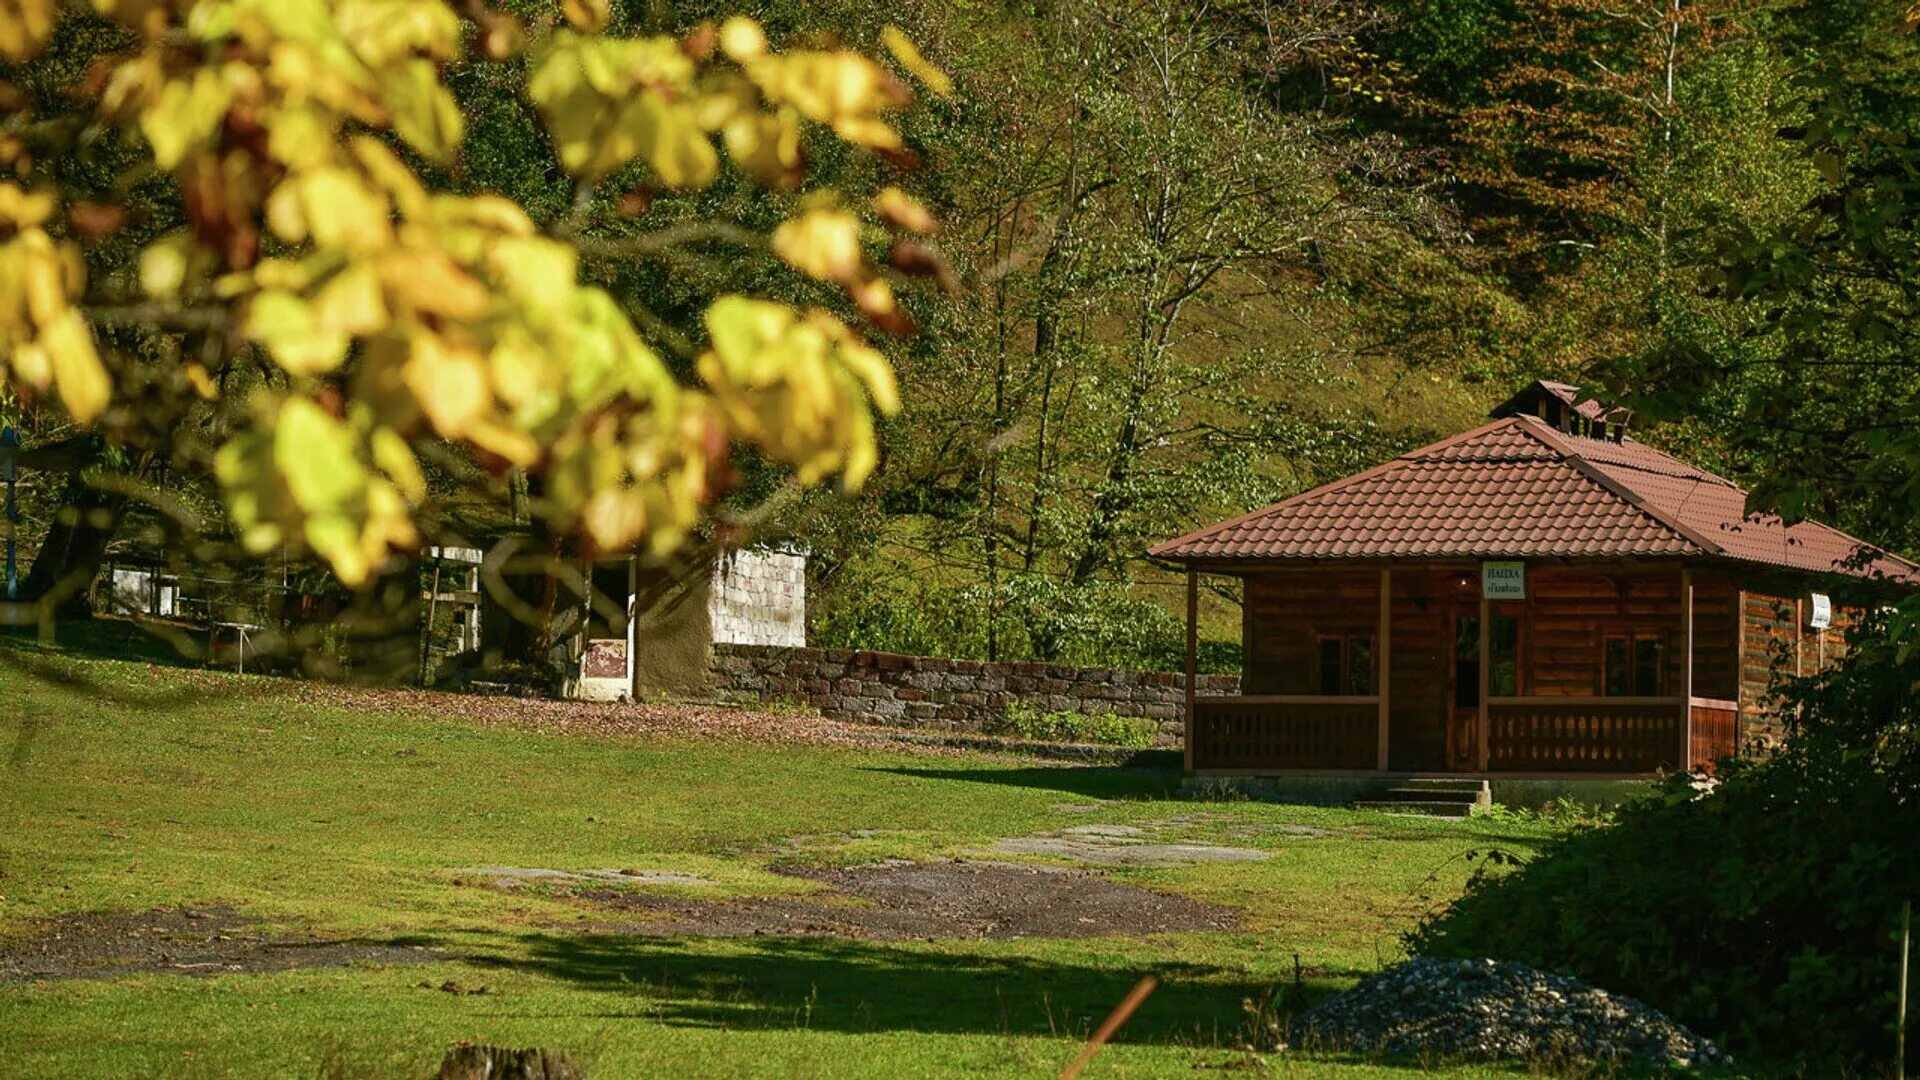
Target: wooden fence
x,y
1583,734
1715,733
1286,732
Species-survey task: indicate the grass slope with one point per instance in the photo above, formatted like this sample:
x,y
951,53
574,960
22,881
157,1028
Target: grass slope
x,y
129,786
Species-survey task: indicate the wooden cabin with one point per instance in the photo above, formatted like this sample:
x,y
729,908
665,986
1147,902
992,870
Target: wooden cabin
x,y
1540,596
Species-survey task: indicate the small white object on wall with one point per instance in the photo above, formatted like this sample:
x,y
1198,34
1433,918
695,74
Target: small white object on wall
x,y
1820,613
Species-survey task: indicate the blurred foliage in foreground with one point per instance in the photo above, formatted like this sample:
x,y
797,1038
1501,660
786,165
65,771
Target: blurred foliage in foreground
x,y
237,241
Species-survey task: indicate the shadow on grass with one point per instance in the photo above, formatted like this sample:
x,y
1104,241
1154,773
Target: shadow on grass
x,y
107,639
1091,781
852,986
836,985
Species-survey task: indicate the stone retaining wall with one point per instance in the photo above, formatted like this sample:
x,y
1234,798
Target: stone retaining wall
x,y
951,695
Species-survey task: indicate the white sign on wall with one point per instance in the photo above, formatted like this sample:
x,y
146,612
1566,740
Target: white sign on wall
x,y
1503,580
1821,616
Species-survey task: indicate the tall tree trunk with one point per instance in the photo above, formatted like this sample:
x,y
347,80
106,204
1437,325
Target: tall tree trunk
x,y
74,549
1111,500
528,619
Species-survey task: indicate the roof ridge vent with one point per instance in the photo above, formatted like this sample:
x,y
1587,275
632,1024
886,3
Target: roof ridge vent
x,y
1564,408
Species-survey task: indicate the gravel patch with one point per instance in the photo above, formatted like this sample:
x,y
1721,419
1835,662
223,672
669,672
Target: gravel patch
x,y
1105,851
900,900
1120,845
1497,1009
509,876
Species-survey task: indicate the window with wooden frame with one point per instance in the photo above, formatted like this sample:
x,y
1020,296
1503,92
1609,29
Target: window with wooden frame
x,y
1633,665
1345,664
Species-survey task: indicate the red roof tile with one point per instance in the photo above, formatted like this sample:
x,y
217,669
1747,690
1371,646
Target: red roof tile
x,y
1517,488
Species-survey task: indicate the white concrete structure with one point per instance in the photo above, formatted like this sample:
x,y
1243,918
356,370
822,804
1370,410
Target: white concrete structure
x,y
759,598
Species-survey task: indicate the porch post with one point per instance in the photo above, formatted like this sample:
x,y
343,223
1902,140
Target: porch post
x,y
1686,669
1193,635
1385,677
1486,669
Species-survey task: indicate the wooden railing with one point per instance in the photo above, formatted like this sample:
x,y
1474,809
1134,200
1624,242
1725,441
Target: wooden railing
x,y
1286,732
1715,733
1583,734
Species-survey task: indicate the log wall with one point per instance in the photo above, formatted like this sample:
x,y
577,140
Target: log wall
x,y
1779,646
1284,616
1423,602
1570,613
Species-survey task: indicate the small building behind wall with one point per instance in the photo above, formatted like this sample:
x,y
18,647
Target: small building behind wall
x,y
661,640
1540,596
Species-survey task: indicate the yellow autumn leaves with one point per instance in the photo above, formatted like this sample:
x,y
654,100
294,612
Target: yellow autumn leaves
x,y
797,385
25,26
298,68
43,338
610,101
394,313
301,478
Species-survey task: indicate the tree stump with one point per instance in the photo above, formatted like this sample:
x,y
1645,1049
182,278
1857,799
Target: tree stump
x,y
500,1063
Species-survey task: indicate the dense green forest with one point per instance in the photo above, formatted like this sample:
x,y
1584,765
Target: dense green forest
x,y
1209,255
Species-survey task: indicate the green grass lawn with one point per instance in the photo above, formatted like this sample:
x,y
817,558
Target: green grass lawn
x,y
130,786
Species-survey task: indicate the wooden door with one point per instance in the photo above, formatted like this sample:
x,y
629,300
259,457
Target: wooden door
x,y
1463,689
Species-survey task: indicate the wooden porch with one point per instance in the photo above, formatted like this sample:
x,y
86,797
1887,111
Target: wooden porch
x,y
1601,671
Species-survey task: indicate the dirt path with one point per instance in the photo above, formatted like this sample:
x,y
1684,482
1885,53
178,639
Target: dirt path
x,y
900,900
187,941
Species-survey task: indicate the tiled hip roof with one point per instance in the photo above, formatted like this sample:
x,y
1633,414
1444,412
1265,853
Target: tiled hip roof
x,y
1516,488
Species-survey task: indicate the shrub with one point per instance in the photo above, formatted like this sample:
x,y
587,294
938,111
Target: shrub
x,y
1108,729
1762,913
1034,617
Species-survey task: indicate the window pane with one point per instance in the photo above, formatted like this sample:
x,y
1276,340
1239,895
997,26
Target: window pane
x,y
1466,638
1360,665
1618,679
1647,656
1330,665
1503,668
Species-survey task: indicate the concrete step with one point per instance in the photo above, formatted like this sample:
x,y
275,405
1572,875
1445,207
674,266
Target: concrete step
x,y
1430,808
1423,794
1441,783
1474,795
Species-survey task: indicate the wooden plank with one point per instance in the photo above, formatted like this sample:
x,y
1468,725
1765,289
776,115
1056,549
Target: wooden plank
x,y
1384,657
1291,699
426,638
1740,671
1486,674
1799,637
1589,699
1193,651
1712,703
1686,668
469,598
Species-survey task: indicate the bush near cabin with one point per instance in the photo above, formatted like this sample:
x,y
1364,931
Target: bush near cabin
x,y
1066,725
1765,913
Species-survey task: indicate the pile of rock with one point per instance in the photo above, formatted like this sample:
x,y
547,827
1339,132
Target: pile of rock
x,y
1496,1009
